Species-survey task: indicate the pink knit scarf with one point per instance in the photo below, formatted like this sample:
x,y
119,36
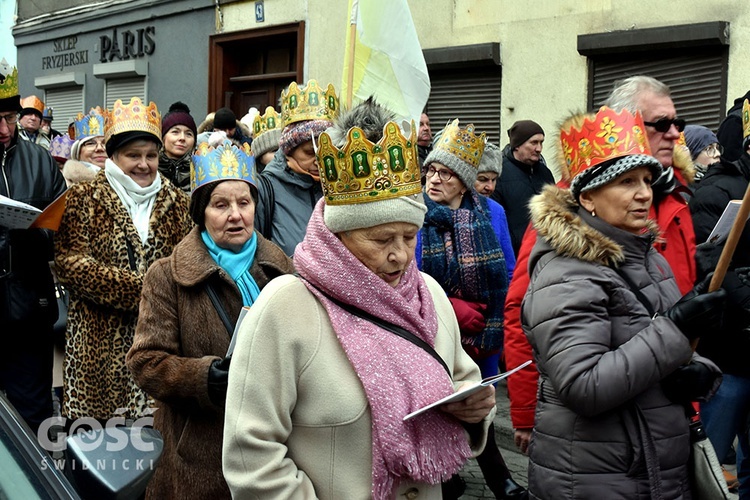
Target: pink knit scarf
x,y
398,377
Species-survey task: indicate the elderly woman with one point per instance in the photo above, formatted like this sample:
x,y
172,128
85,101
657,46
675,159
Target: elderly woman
x,y
179,133
465,245
490,168
88,152
181,339
317,397
611,335
113,229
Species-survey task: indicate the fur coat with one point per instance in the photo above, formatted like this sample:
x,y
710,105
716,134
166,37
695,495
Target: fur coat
x,y
601,359
92,259
179,335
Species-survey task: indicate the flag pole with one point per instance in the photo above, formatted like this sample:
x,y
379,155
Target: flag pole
x,y
350,63
731,245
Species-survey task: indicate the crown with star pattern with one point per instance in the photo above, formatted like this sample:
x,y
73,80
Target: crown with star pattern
x,y
224,162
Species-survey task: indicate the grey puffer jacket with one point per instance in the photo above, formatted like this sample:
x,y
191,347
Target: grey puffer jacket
x,y
601,359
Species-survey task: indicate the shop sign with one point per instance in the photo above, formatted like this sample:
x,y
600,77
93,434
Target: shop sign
x,y
127,44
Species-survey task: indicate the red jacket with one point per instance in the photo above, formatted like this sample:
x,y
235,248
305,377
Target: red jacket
x,y
677,246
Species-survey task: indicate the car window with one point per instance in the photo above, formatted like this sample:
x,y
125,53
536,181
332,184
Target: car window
x,y
17,479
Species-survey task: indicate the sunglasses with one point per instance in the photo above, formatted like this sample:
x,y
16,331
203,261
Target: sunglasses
x,y
664,124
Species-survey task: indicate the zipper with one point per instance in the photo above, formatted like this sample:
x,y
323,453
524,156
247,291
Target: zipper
x,y
5,177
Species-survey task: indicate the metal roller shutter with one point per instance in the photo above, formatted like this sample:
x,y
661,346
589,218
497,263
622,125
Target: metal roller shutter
x,y
472,96
124,89
66,103
697,80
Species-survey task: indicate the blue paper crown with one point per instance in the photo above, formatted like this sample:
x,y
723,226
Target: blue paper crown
x,y
224,162
90,124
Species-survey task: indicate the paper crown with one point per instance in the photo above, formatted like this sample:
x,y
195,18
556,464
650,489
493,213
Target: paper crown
x,y
746,119
462,143
60,146
91,124
269,121
308,103
133,117
9,85
33,102
605,136
47,115
221,163
363,171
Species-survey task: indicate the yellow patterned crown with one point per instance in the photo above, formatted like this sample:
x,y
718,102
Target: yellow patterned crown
x,y
91,124
133,117
606,136
269,121
9,74
462,143
308,103
746,119
221,163
363,171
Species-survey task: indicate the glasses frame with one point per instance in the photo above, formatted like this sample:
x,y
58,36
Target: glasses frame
x,y
664,124
92,144
713,150
8,117
431,171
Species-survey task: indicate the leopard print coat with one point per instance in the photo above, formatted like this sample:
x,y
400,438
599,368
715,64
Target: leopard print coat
x,y
92,259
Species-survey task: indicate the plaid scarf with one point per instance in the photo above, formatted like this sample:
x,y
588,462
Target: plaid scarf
x,y
461,251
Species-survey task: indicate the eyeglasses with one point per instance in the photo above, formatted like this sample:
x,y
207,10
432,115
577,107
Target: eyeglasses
x,y
664,124
714,150
10,118
444,174
93,144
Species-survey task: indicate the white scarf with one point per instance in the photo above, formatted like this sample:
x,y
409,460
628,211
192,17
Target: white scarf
x,y
139,201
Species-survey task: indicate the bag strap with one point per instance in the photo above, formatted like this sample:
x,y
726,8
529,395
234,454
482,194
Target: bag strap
x,y
401,332
639,295
211,291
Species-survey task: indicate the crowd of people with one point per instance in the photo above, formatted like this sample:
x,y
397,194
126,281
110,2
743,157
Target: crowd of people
x,y
378,269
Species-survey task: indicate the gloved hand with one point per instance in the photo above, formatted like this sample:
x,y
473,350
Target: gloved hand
x,y
691,382
737,284
218,376
698,311
470,315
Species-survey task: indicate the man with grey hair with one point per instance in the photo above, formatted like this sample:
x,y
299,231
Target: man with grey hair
x,y
653,99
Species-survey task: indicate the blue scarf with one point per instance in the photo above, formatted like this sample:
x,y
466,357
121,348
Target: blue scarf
x,y
461,251
237,265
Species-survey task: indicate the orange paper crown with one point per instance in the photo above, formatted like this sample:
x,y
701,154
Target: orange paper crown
x,y
33,102
607,136
132,117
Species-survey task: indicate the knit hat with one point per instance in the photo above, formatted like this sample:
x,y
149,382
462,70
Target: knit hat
x,y
224,119
492,160
389,192
269,141
606,146
521,131
298,133
699,138
460,150
178,114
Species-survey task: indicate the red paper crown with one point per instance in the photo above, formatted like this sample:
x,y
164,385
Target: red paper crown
x,y
607,136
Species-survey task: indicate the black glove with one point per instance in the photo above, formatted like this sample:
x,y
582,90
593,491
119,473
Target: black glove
x,y
698,311
706,257
691,382
218,376
737,284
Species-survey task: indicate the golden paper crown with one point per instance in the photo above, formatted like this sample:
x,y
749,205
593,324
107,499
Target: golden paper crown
x,y
269,121
135,117
607,136
33,102
746,119
91,124
462,143
308,103
9,74
363,171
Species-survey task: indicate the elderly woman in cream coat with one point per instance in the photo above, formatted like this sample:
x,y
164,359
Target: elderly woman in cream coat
x,y
317,395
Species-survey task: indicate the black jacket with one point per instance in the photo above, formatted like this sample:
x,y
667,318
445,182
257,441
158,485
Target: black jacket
x,y
515,186
28,174
730,131
723,182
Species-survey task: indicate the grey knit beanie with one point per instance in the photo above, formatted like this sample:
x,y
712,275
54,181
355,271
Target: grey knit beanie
x,y
463,170
492,160
267,141
606,172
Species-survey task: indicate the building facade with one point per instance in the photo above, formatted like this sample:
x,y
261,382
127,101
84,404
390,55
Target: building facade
x,y
491,62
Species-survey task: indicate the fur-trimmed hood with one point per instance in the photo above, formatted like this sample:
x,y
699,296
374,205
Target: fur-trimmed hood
x,y
554,214
76,171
